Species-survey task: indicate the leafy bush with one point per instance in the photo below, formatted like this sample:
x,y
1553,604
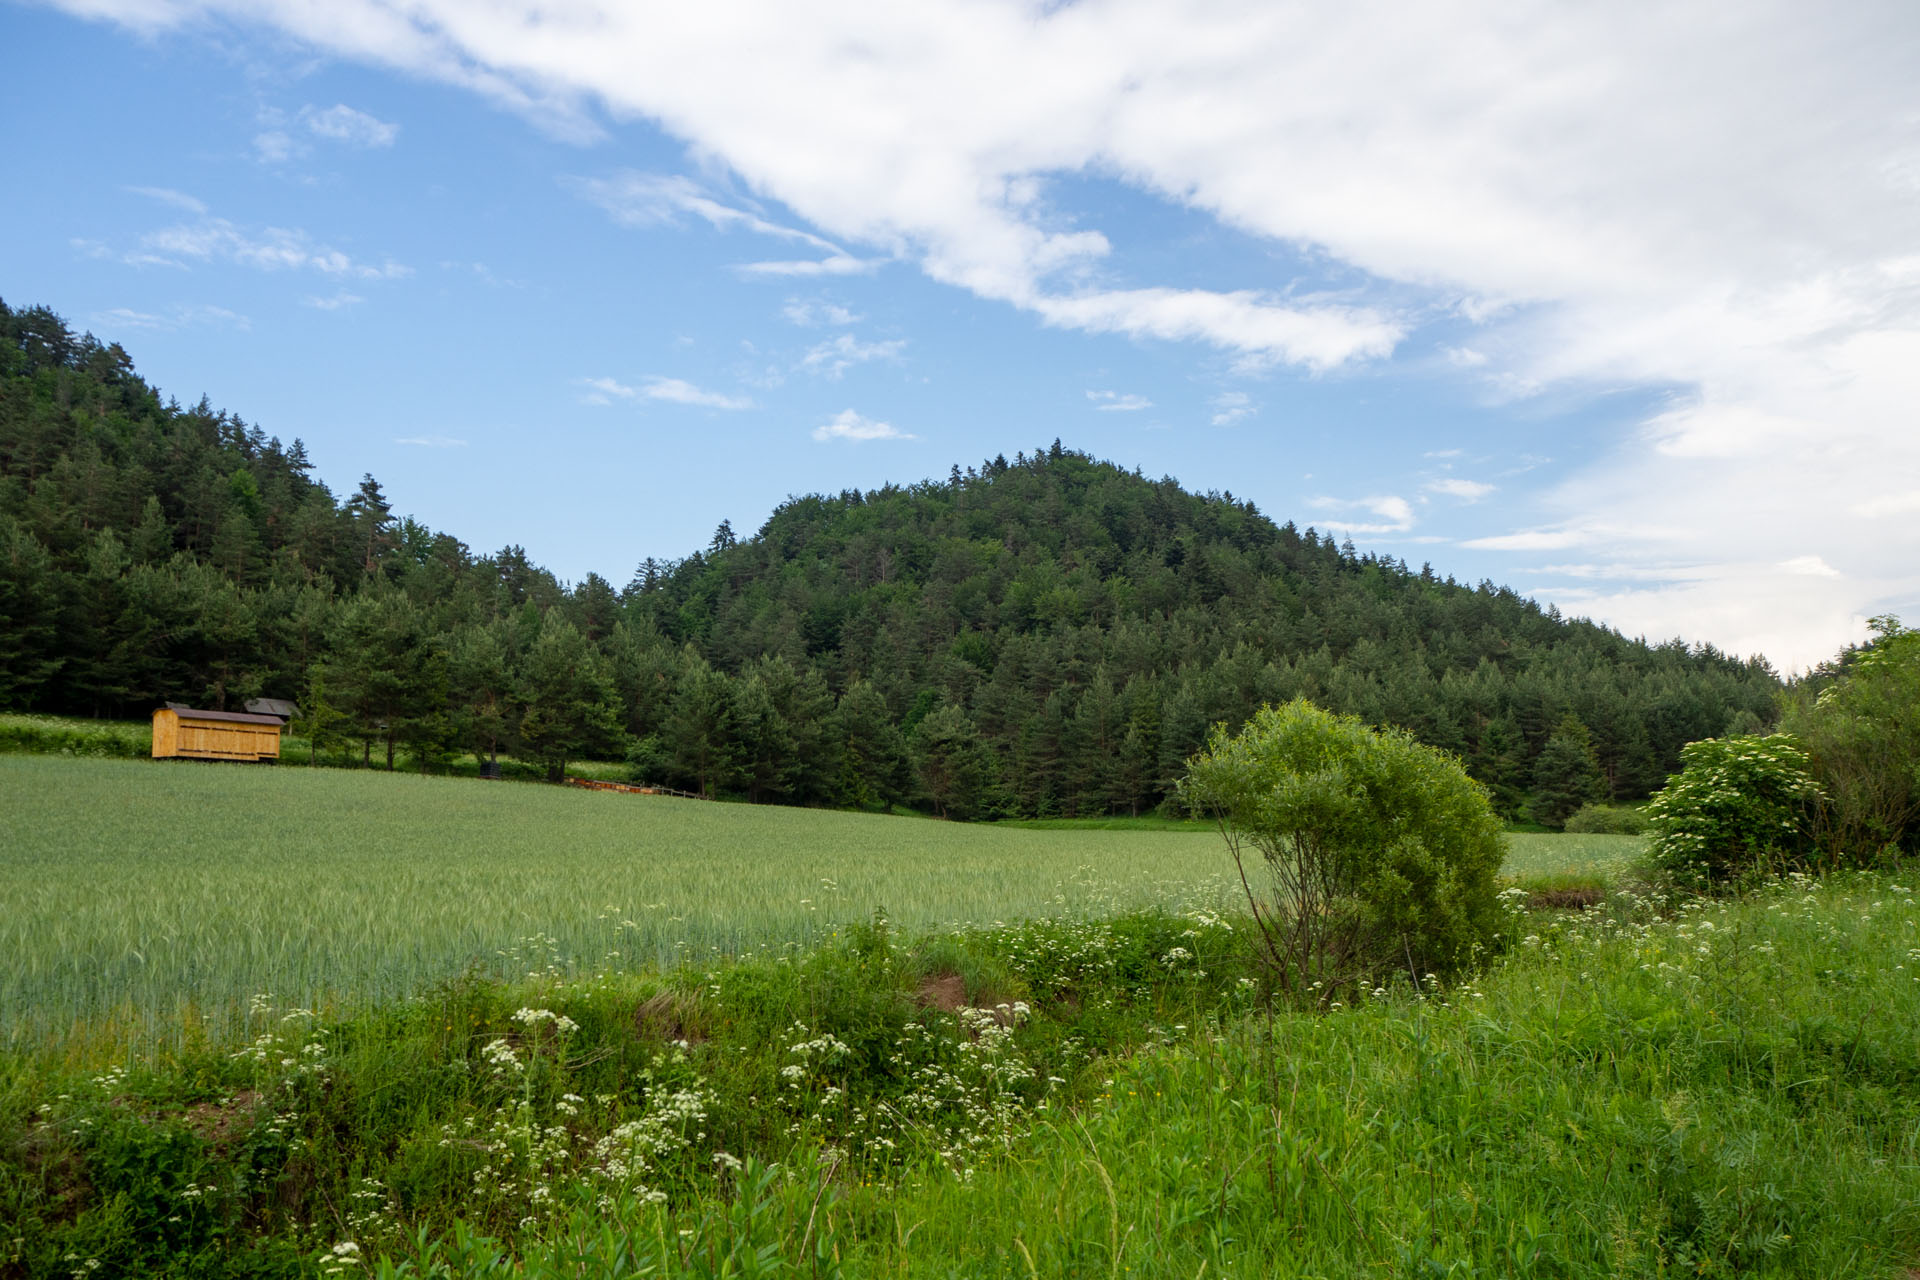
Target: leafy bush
x,y
1736,802
1606,820
1380,852
1862,734
60,736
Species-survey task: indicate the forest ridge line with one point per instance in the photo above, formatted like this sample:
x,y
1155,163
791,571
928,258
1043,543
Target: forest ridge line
x,y
1047,635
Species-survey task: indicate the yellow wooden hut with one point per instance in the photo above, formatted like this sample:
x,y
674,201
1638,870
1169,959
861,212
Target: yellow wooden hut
x,y
215,735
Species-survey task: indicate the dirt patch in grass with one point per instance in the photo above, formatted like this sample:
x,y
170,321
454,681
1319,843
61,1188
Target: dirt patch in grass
x,y
1575,899
670,1016
943,991
218,1123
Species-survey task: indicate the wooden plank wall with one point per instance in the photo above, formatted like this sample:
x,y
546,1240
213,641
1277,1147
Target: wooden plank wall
x,y
175,735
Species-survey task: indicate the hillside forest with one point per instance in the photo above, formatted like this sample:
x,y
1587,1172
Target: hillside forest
x,y
1050,635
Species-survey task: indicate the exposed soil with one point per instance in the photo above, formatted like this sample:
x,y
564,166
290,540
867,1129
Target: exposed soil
x,y
219,1123
668,1016
1565,899
943,991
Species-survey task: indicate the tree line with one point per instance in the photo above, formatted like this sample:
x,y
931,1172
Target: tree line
x,y
1047,635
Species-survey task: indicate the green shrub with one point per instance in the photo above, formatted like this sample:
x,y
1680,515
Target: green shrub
x,y
1380,852
1607,820
1736,802
60,736
1862,734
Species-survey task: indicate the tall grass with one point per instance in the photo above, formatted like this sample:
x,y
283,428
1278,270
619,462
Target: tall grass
x,y
139,899
150,895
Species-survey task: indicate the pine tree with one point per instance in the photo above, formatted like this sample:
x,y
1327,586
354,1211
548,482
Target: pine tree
x,y
1565,774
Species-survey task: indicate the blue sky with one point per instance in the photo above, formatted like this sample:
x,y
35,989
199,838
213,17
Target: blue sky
x,y
1547,303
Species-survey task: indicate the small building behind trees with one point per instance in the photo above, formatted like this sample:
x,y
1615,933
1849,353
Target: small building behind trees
x,y
184,733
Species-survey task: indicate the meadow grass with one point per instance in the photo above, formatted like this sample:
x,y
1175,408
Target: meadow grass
x,y
1660,1087
139,899
146,892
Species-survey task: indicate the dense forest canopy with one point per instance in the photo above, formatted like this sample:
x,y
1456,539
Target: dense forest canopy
x,y
1047,635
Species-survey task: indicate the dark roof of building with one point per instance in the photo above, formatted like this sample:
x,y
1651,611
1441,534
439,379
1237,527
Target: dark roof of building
x,y
273,707
230,717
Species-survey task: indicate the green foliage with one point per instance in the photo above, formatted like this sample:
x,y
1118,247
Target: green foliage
x,y
1737,803
1566,774
508,1109
1860,725
1606,820
1089,622
1380,852
1750,1062
57,735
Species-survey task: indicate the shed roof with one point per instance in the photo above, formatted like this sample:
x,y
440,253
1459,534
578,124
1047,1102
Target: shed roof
x,y
230,717
273,707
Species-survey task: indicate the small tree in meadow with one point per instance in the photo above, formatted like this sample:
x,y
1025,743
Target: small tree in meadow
x,y
1361,850
1736,803
1862,735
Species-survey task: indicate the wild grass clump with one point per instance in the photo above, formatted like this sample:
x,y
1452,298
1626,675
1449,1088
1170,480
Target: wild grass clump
x,y
1607,820
484,1107
1657,1086
65,736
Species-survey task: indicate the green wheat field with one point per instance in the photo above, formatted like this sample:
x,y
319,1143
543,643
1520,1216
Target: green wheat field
x,y
139,900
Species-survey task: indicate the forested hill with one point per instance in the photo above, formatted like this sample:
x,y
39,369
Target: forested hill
x,y
1047,635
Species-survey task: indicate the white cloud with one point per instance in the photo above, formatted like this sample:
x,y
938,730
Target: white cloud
x,y
274,146
809,314
1118,401
677,391
840,264
1891,504
1809,567
638,199
1709,200
335,302
671,390
1230,407
342,123
167,195
180,317
431,442
1391,514
848,425
1454,487
213,239
833,358
1531,540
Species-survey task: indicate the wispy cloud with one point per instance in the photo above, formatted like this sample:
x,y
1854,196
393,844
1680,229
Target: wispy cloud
x,y
637,199
167,195
1118,401
840,264
1809,567
1390,514
811,314
431,442
334,302
1532,540
850,426
275,146
211,239
833,358
282,137
1454,487
181,317
341,123
671,390
1230,407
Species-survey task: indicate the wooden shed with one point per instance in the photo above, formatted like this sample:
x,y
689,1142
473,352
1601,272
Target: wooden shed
x,y
214,735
